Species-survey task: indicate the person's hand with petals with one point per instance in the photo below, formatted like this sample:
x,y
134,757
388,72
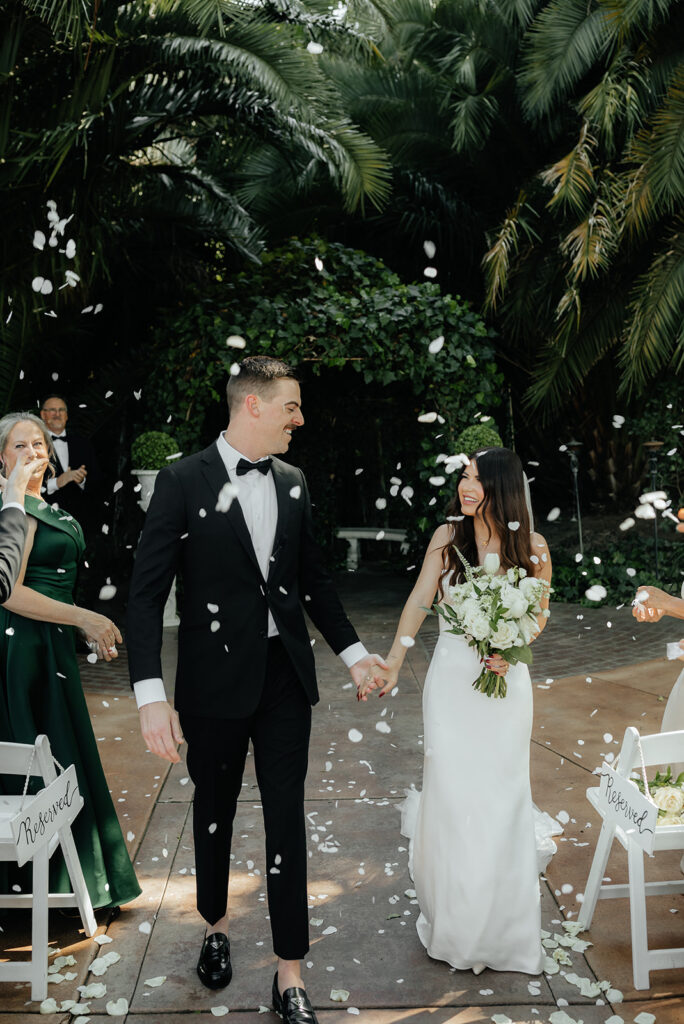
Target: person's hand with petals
x,y
367,673
651,603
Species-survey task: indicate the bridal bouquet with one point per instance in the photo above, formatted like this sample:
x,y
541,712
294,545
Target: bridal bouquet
x,y
496,614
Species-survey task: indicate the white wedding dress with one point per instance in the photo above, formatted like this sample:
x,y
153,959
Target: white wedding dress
x,y
474,854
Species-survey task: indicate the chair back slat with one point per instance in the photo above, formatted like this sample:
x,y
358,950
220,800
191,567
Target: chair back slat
x,y
16,758
660,748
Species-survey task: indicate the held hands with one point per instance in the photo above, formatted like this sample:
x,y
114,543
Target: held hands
x,y
367,673
383,682
101,633
27,465
161,730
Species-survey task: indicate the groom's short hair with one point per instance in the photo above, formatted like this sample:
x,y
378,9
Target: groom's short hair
x,y
256,375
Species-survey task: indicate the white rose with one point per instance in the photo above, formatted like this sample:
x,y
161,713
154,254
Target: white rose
x,y
513,601
670,819
511,575
477,626
669,799
504,636
531,589
492,563
529,627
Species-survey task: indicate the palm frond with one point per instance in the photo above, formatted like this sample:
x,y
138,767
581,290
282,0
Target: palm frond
x,y
497,260
572,177
566,39
655,336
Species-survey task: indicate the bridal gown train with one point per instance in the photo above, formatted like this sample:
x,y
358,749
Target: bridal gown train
x,y
473,852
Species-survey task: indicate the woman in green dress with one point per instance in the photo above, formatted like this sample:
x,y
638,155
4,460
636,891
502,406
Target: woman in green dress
x,y
40,685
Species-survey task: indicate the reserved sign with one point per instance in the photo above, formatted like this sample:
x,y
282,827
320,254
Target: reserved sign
x,y
627,807
48,811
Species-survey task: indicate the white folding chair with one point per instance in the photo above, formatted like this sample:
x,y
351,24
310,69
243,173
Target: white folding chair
x,y
658,749
36,760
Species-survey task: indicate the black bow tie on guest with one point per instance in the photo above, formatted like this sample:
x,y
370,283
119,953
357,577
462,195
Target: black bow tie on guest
x,y
244,466
59,437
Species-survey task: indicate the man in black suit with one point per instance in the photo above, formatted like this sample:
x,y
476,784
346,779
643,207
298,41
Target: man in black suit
x,y
75,485
236,523
13,526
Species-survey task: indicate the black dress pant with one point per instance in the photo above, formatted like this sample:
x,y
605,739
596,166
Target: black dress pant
x,y
217,748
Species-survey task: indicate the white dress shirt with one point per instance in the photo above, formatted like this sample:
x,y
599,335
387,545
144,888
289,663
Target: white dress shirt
x,y
259,504
14,504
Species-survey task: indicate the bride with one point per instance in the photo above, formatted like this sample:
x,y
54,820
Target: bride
x,y
473,854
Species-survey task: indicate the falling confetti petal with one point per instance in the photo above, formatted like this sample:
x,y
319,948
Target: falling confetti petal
x,y
339,995
219,1011
436,345
553,514
235,341
355,736
596,593
155,982
427,417
227,494
315,48
107,592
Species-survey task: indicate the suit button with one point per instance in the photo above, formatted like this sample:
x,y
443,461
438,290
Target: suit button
x,y
263,634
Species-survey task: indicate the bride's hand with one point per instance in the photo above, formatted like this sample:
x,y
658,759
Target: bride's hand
x,y
495,663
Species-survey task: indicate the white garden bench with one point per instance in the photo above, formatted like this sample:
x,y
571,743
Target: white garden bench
x,y
354,534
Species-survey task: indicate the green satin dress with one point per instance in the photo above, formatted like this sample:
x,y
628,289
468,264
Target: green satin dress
x,y
41,692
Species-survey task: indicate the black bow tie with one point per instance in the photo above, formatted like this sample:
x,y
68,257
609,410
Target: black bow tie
x,y
59,437
244,466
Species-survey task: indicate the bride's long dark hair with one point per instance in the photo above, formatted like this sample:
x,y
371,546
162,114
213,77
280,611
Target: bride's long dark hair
x,y
501,475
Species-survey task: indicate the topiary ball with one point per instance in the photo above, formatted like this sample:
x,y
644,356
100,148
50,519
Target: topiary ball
x,y
480,435
152,450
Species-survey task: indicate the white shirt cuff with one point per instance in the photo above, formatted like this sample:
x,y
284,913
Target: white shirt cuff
x,y
350,655
51,485
15,504
147,691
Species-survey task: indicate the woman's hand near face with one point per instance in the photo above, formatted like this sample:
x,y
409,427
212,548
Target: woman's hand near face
x,y
28,464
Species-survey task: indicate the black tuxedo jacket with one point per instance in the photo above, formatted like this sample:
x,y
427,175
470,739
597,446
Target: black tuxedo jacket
x,y
222,638
13,530
81,504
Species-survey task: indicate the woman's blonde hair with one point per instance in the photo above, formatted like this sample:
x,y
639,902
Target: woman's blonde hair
x,y
9,422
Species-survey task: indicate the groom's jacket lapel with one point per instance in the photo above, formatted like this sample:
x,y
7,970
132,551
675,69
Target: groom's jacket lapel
x,y
284,481
216,475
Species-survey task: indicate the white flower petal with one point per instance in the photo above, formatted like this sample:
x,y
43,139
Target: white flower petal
x,y
117,1008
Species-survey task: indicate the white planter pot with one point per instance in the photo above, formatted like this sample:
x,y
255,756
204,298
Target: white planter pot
x,y
147,478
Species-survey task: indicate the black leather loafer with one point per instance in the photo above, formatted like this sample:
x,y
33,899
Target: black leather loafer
x,y
293,1006
214,967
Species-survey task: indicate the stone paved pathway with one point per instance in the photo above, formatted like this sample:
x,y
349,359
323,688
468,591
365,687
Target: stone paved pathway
x,y
591,680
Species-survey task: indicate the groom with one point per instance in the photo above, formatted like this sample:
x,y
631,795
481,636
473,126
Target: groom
x,y
235,522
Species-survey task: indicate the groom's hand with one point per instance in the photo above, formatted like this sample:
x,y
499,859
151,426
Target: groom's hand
x,y
161,729
367,673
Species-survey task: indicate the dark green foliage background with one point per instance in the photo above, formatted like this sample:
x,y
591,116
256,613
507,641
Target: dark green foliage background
x,y
359,338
